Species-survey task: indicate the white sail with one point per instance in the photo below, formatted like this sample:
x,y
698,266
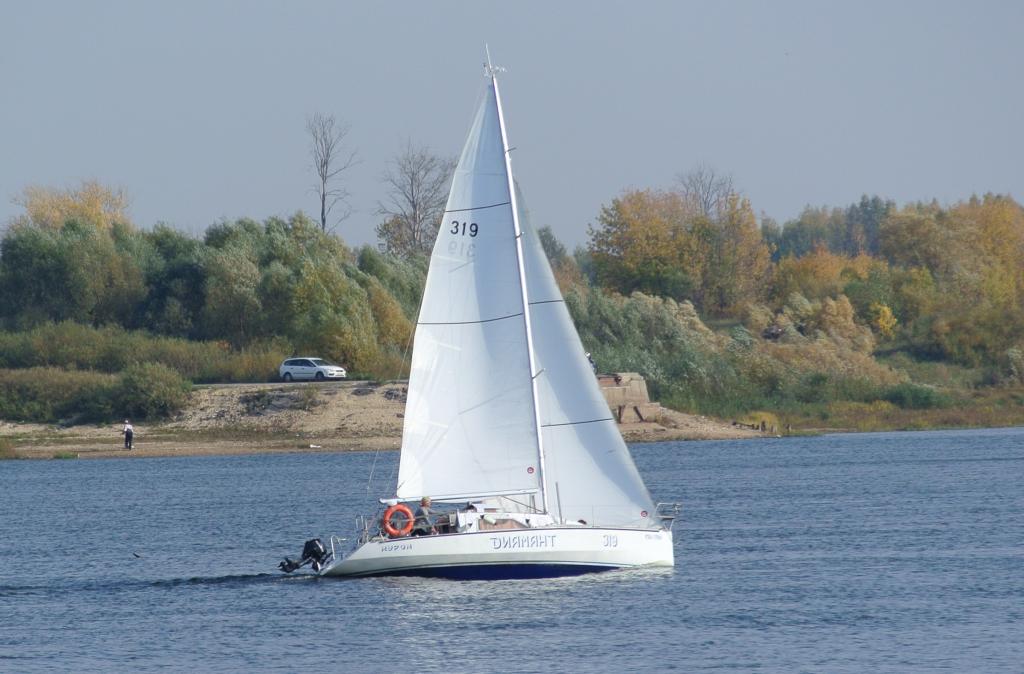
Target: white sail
x,y
469,426
590,473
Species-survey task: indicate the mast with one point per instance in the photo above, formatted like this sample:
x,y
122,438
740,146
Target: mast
x,y
492,72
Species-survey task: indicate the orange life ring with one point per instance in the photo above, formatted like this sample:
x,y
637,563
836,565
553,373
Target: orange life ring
x,y
389,526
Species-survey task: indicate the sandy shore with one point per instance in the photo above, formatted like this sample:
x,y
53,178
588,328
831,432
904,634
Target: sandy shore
x,y
258,418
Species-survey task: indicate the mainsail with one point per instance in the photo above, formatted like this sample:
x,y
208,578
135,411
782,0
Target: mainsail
x,y
469,427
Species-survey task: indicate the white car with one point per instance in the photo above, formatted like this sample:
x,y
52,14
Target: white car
x,y
310,368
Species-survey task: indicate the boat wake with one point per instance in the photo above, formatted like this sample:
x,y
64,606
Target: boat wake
x,y
112,585
234,579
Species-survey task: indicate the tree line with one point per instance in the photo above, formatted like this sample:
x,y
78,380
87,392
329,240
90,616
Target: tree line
x,y
74,256
800,311
941,282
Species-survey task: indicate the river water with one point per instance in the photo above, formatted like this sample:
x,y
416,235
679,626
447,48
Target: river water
x,y
884,552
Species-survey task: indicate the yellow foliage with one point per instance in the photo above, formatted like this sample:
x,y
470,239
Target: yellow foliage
x,y
816,275
975,249
860,266
883,320
92,203
641,229
393,328
917,237
992,231
740,259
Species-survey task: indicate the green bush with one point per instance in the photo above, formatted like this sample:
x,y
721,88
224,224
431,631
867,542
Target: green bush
x,y
151,391
915,396
48,395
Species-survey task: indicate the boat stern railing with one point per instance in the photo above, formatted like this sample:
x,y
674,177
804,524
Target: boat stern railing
x,y
337,540
667,512
362,534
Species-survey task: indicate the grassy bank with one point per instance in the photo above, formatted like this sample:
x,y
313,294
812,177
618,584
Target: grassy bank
x,y
111,349
981,408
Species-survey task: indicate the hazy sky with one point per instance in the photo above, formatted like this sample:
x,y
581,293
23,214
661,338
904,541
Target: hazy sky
x,y
197,109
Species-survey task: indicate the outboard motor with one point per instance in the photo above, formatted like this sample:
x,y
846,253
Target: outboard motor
x,y
313,552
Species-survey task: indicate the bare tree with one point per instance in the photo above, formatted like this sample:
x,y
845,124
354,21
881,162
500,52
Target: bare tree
x,y
330,160
706,189
417,187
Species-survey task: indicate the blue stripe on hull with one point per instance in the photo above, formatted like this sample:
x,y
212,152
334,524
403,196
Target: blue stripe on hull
x,y
497,571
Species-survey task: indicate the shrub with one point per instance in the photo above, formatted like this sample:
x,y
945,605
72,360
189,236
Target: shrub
x,y
309,397
915,396
47,395
151,390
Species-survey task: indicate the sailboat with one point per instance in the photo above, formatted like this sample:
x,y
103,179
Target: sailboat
x,y
505,424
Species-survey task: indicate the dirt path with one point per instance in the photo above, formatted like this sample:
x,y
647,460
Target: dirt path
x,y
307,417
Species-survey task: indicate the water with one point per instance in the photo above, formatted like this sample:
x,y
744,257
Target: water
x,y
895,552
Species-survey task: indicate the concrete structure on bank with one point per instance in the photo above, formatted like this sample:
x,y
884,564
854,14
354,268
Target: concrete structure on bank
x,y
626,393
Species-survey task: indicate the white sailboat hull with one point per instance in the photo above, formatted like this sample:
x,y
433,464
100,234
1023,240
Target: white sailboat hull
x,y
514,553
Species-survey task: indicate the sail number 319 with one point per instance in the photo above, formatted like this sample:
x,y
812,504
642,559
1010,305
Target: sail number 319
x,y
463,228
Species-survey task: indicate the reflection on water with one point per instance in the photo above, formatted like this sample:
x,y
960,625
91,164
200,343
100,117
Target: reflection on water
x,y
483,603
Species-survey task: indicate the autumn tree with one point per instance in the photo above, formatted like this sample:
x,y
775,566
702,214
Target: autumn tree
x,y
73,255
91,203
330,160
659,243
882,320
818,274
739,261
642,243
724,230
992,229
918,236
417,184
961,296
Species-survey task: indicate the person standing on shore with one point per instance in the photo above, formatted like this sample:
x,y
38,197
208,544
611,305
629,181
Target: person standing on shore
x,y
129,434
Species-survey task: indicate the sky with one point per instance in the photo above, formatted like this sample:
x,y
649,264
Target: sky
x,y
197,109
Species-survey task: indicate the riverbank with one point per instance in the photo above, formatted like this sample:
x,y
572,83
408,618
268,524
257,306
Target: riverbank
x,y
306,417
